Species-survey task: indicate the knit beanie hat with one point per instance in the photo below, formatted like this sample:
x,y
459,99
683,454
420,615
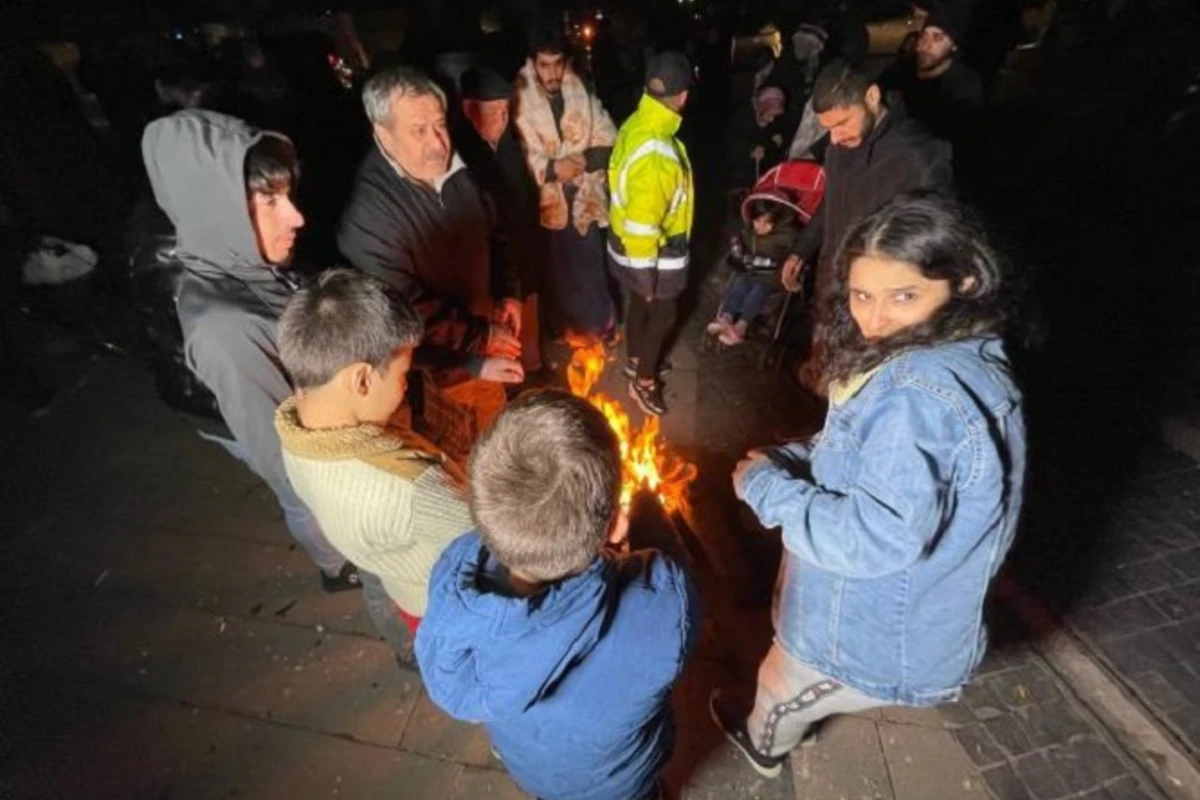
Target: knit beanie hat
x,y
951,16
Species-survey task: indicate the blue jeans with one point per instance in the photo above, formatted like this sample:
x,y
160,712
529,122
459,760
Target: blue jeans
x,y
745,297
300,522
383,613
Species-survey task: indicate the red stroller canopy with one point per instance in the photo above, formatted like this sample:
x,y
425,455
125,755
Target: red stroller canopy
x,y
800,185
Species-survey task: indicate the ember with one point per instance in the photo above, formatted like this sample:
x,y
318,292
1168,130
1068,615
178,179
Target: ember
x,y
648,464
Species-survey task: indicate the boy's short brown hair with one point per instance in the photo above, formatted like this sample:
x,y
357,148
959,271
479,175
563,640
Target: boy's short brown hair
x,y
544,484
343,318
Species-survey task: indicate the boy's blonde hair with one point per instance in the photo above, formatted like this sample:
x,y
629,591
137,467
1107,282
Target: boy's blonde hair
x,y
544,485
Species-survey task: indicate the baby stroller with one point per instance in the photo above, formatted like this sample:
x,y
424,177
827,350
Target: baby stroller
x,y
799,185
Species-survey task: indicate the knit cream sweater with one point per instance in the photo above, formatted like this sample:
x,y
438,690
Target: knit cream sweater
x,y
386,499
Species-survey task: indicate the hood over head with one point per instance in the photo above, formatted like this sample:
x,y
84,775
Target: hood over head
x,y
196,163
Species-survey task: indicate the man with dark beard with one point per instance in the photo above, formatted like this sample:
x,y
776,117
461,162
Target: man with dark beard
x,y
875,154
568,138
938,90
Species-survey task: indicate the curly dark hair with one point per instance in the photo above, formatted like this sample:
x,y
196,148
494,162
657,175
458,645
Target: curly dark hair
x,y
945,241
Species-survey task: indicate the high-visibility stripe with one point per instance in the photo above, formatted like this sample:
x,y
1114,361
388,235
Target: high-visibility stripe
x,y
642,229
644,149
662,262
677,200
631,261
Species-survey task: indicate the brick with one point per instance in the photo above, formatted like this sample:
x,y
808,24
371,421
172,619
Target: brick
x,y
1156,690
979,745
958,714
1180,603
982,702
1187,721
1042,780
1024,685
847,762
1183,639
1186,682
1139,653
1188,562
926,764
1128,788
1114,620
1085,763
1149,575
1004,784
1010,736
1051,723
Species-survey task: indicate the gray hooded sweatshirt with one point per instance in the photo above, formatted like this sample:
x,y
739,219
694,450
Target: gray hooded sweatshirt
x,y
229,299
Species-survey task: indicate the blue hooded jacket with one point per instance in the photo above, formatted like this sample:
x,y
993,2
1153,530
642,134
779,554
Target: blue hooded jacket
x,y
572,684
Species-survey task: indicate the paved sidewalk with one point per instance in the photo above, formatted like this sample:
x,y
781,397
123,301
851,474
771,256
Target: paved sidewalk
x,y
170,640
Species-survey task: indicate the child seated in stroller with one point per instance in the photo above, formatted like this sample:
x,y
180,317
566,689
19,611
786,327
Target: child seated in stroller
x,y
757,256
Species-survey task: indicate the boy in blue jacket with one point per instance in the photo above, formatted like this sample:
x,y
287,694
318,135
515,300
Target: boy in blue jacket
x,y
565,651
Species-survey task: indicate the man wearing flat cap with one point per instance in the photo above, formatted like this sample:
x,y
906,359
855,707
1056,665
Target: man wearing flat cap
x,y
652,195
490,148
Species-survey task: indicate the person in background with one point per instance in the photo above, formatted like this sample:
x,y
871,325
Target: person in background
x,y
568,138
564,650
652,206
492,153
754,138
384,496
227,189
419,221
898,515
937,88
757,255
875,153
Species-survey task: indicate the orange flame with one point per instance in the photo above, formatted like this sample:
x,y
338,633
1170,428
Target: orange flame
x,y
647,462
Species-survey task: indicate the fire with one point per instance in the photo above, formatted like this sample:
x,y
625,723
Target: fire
x,y
647,462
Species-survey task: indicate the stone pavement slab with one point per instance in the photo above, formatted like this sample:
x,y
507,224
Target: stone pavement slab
x,y
100,744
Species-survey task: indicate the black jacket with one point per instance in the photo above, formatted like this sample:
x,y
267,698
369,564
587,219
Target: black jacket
x,y
950,105
898,156
444,250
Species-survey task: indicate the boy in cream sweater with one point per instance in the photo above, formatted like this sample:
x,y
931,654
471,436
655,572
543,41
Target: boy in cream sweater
x,y
385,497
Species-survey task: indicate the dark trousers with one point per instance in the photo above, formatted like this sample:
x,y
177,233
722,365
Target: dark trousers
x,y
647,325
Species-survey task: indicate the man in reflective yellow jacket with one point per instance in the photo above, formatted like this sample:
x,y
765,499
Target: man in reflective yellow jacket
x,y
650,215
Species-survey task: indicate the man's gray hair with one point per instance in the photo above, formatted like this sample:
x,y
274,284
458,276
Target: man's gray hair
x,y
387,84
343,318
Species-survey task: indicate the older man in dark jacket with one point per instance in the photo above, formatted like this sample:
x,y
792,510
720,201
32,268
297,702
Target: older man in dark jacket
x,y
419,221
876,153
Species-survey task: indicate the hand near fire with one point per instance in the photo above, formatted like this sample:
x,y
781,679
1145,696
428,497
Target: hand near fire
x,y
509,315
739,472
502,370
501,343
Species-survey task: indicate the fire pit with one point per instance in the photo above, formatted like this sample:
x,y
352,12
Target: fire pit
x,y
649,465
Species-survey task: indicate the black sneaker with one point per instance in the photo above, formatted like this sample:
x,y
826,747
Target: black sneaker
x,y
733,725
344,581
630,368
649,398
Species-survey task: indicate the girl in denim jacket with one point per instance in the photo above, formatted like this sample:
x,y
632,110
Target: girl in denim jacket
x,y
897,516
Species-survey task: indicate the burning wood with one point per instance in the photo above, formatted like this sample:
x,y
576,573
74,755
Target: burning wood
x,y
648,463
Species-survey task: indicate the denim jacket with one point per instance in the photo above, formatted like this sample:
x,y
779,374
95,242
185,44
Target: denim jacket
x,y
895,519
